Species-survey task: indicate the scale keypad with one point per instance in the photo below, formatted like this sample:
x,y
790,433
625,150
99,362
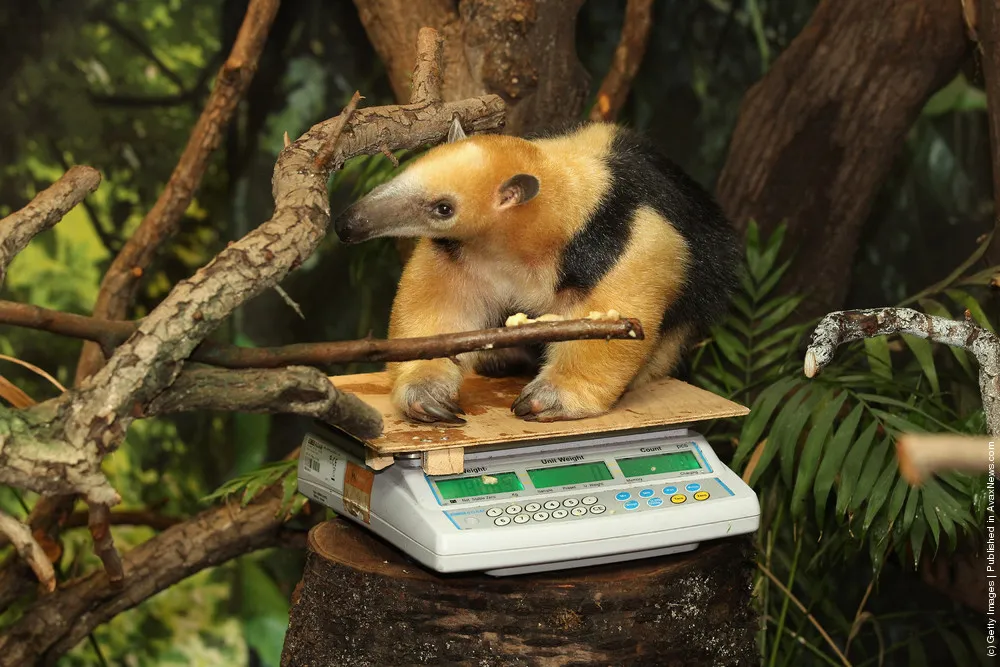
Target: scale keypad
x,y
592,503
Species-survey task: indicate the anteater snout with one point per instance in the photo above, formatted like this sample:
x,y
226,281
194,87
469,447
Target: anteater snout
x,y
351,226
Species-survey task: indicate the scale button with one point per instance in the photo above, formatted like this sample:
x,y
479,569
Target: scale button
x,y
551,504
701,495
494,511
532,507
669,490
598,509
579,511
522,518
654,502
571,502
693,486
645,493
471,520
560,514
589,500
502,521
513,509
632,504
540,516
623,495
678,499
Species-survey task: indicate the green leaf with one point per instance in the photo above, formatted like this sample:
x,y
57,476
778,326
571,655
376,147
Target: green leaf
x,y
853,467
264,609
787,427
917,535
930,516
912,508
965,299
879,360
896,500
741,305
772,279
874,465
731,348
760,414
781,312
812,452
790,424
924,353
959,651
880,493
774,339
833,458
917,655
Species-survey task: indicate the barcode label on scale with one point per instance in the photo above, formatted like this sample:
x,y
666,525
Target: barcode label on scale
x,y
312,464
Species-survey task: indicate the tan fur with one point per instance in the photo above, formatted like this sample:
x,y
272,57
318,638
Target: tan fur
x,y
511,256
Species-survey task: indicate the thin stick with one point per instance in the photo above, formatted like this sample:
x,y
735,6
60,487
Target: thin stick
x,y
802,608
625,65
34,369
323,157
29,549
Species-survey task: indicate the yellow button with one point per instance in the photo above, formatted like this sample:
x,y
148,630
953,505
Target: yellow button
x,y
701,495
678,499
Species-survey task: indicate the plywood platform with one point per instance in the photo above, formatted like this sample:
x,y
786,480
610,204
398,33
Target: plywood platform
x,y
487,402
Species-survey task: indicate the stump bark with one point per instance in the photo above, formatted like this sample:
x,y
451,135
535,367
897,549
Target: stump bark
x,y
363,603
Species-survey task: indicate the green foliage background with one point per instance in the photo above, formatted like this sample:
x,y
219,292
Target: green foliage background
x,y
118,85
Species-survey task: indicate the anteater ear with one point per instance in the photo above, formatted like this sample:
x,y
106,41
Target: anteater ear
x,y
518,189
455,132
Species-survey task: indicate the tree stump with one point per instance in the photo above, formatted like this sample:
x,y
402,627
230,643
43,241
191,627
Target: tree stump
x,y
363,603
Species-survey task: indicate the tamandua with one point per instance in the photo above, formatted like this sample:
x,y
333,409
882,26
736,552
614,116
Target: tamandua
x,y
588,219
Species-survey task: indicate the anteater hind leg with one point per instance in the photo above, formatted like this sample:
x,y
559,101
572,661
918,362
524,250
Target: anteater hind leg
x,y
665,358
587,377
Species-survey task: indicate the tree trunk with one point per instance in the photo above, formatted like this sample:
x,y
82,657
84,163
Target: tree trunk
x,y
818,134
363,603
522,50
987,33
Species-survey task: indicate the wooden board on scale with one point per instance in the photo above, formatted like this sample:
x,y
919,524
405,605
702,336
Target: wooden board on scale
x,y
487,402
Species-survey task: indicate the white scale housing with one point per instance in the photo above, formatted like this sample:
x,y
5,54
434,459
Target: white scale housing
x,y
546,506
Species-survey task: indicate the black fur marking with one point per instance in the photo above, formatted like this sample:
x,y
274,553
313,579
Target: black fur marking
x,y
450,247
641,175
524,361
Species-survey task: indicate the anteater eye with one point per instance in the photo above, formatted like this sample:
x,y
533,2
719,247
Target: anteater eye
x,y
443,210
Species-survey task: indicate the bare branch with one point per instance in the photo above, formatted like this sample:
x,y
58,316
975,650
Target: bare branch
x,y
296,390
29,549
323,157
104,545
628,56
44,211
120,283
111,333
845,326
56,623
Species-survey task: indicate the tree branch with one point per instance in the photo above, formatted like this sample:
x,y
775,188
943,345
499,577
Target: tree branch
x,y
57,447
845,326
625,65
28,548
112,333
44,211
296,390
120,283
921,455
57,622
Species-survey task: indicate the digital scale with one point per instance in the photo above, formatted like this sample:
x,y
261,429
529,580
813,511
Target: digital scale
x,y
537,506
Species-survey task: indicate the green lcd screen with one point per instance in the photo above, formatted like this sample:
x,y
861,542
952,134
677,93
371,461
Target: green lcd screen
x,y
658,463
478,485
543,478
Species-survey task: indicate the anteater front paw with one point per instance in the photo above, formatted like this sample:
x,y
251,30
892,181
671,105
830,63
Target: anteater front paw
x,y
543,401
430,401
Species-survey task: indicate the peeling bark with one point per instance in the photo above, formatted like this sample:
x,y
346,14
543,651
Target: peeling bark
x,y
818,134
843,327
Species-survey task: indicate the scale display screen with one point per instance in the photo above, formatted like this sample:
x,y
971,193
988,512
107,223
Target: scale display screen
x,y
478,485
658,463
543,478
